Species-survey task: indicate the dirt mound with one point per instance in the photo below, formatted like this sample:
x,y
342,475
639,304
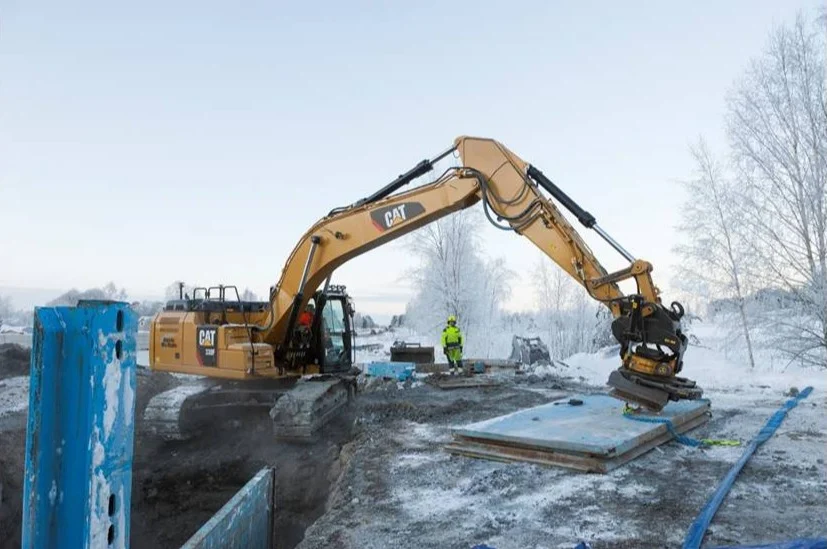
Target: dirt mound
x,y
14,360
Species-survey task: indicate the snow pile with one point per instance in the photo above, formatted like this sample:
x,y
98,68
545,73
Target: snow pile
x,y
377,347
712,369
712,359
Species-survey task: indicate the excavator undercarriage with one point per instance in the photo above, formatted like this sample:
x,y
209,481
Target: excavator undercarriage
x,y
298,407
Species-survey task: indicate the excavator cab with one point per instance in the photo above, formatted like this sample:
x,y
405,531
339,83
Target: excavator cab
x,y
327,341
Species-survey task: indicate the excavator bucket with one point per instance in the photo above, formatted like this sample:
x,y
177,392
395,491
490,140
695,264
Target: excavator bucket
x,y
651,392
529,350
403,351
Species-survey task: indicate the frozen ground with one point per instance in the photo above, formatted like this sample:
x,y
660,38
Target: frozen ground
x,y
378,476
400,486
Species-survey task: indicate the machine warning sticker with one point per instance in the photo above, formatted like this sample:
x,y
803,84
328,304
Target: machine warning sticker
x,y
390,216
206,338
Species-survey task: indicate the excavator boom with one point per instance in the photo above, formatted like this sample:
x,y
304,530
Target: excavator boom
x,y
511,192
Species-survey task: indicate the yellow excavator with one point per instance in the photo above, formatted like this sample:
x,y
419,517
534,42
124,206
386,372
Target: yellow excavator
x,y
269,354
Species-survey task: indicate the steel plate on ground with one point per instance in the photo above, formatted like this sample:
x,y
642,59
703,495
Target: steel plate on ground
x,y
594,429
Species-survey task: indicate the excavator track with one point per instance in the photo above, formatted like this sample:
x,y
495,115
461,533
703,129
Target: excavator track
x,y
298,408
650,391
166,413
311,404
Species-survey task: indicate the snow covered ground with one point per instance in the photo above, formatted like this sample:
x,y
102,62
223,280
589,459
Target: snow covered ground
x,y
401,485
398,485
14,395
710,368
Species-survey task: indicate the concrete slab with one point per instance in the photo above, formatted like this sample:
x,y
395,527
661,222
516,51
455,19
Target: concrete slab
x,y
594,436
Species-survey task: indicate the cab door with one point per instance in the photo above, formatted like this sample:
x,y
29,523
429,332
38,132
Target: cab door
x,y
334,337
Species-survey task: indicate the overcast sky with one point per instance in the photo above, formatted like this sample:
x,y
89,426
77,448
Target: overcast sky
x,y
154,141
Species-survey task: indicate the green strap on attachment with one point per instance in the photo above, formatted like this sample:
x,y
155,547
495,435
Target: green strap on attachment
x,y
720,442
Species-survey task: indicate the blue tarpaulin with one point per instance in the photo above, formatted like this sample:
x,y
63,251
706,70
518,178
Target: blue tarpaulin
x,y
398,370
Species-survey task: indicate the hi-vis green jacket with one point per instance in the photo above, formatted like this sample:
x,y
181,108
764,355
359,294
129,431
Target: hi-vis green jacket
x,y
451,337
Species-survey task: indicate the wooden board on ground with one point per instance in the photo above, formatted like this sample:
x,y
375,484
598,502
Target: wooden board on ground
x,y
460,382
434,367
493,362
431,368
592,437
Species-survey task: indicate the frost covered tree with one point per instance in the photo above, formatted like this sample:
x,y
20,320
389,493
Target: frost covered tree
x,y
6,309
249,295
566,313
777,126
173,292
454,278
553,288
73,296
111,291
715,259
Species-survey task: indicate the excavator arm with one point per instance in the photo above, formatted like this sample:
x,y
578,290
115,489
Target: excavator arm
x,y
511,193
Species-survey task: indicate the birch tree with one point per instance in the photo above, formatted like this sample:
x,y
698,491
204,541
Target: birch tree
x,y
553,290
777,126
6,309
454,278
715,256
566,313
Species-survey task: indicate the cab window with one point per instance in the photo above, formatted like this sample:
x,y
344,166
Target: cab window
x,y
333,332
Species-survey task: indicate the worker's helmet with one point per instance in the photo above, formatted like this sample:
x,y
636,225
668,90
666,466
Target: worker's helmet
x,y
452,319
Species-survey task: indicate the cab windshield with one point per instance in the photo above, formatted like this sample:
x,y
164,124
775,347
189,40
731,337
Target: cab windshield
x,y
333,333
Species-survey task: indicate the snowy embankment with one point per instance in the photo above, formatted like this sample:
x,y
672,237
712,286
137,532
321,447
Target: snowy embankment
x,y
715,362
716,371
400,474
377,346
